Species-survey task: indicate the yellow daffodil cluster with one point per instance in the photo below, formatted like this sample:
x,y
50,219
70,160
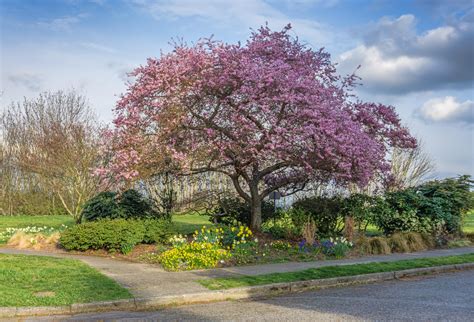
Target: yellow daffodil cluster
x,y
194,255
280,245
177,240
209,247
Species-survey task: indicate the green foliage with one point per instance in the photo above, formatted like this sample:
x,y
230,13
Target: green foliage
x,y
325,211
195,255
432,206
103,205
231,211
114,234
157,231
110,205
362,208
135,205
287,226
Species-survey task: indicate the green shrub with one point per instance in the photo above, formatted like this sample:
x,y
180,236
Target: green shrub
x,y
400,213
325,211
231,211
103,205
157,231
362,208
110,205
470,236
284,227
196,255
430,207
459,243
114,235
135,205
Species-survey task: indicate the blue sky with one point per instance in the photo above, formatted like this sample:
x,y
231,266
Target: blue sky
x,y
415,55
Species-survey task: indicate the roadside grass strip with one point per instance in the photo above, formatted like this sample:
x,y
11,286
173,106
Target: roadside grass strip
x,y
222,283
48,281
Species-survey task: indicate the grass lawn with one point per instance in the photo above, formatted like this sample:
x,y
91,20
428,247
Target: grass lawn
x,y
332,271
48,281
54,222
25,221
189,223
468,226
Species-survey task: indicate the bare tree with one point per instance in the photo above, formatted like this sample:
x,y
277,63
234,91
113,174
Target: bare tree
x,y
409,167
55,138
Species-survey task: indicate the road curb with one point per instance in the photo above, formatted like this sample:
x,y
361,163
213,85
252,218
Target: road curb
x,y
252,292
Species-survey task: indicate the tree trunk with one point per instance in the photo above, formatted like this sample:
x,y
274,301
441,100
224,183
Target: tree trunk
x,y
256,214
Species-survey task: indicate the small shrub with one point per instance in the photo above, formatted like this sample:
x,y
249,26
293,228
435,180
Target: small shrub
x,y
156,231
373,245
232,211
113,235
459,243
429,240
134,205
470,236
349,228
195,255
337,247
398,243
415,242
103,205
325,211
309,231
21,240
287,226
110,205
281,245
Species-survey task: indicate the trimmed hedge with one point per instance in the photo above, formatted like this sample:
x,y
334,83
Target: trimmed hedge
x,y
114,235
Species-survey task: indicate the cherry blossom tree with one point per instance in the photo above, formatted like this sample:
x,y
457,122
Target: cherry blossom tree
x,y
271,114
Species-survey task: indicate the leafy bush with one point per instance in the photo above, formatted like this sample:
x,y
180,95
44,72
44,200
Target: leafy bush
x,y
195,255
135,205
157,231
430,207
103,205
109,205
362,208
287,226
231,211
114,235
325,211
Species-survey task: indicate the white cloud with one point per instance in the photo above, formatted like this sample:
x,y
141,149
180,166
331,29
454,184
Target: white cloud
x,y
63,23
395,59
447,110
98,47
30,81
247,13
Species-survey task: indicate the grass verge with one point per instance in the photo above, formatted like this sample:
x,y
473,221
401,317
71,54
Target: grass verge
x,y
48,281
188,223
468,226
332,271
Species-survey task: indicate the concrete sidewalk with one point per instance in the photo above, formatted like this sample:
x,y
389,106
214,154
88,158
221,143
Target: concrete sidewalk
x,y
151,281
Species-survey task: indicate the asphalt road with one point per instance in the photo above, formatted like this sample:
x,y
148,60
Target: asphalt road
x,y
439,297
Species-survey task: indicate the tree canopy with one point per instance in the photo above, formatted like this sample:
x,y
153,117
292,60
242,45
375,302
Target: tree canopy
x,y
271,114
